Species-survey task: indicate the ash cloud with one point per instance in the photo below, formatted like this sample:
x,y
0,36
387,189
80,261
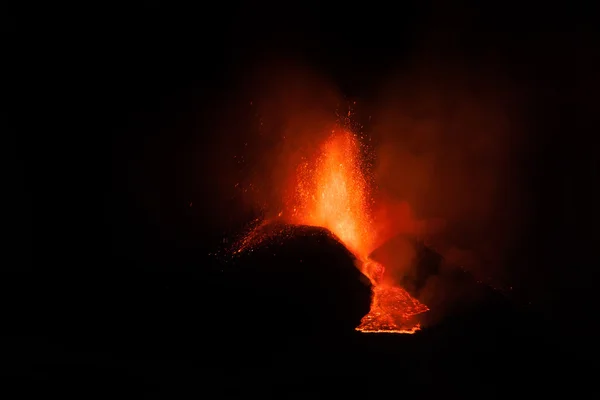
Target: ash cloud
x,y
449,141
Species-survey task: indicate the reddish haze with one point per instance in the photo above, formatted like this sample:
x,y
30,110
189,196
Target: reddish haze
x,y
447,143
443,145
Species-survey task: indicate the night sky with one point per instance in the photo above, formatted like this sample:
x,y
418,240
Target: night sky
x,y
133,99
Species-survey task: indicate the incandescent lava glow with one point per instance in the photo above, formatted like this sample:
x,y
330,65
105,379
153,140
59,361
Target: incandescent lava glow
x,y
332,190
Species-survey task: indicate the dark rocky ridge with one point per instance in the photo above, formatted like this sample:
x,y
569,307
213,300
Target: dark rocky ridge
x,y
305,281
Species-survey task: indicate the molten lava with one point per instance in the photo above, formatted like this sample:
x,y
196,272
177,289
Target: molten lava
x,y
332,191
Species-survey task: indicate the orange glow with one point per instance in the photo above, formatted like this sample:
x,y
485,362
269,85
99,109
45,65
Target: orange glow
x,y
332,193
332,190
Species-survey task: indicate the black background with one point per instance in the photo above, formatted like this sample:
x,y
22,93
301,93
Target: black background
x,y
111,84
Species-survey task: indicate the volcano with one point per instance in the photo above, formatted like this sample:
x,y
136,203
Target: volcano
x,y
333,190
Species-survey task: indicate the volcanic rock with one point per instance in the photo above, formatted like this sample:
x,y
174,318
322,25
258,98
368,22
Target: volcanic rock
x,y
301,279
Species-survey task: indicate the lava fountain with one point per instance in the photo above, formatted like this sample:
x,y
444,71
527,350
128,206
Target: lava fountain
x,y
333,191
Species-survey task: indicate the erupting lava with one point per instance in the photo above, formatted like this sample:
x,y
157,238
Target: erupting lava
x,y
332,191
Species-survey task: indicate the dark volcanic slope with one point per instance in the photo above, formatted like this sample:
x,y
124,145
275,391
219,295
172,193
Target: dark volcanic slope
x,y
278,320
306,281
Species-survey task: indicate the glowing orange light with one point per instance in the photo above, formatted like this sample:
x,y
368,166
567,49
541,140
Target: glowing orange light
x,y
332,191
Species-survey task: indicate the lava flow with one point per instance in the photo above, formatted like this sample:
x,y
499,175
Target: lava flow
x,y
333,192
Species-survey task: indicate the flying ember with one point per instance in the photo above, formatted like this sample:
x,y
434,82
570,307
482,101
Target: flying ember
x,y
332,191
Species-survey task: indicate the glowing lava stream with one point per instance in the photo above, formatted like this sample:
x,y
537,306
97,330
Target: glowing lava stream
x,y
332,192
